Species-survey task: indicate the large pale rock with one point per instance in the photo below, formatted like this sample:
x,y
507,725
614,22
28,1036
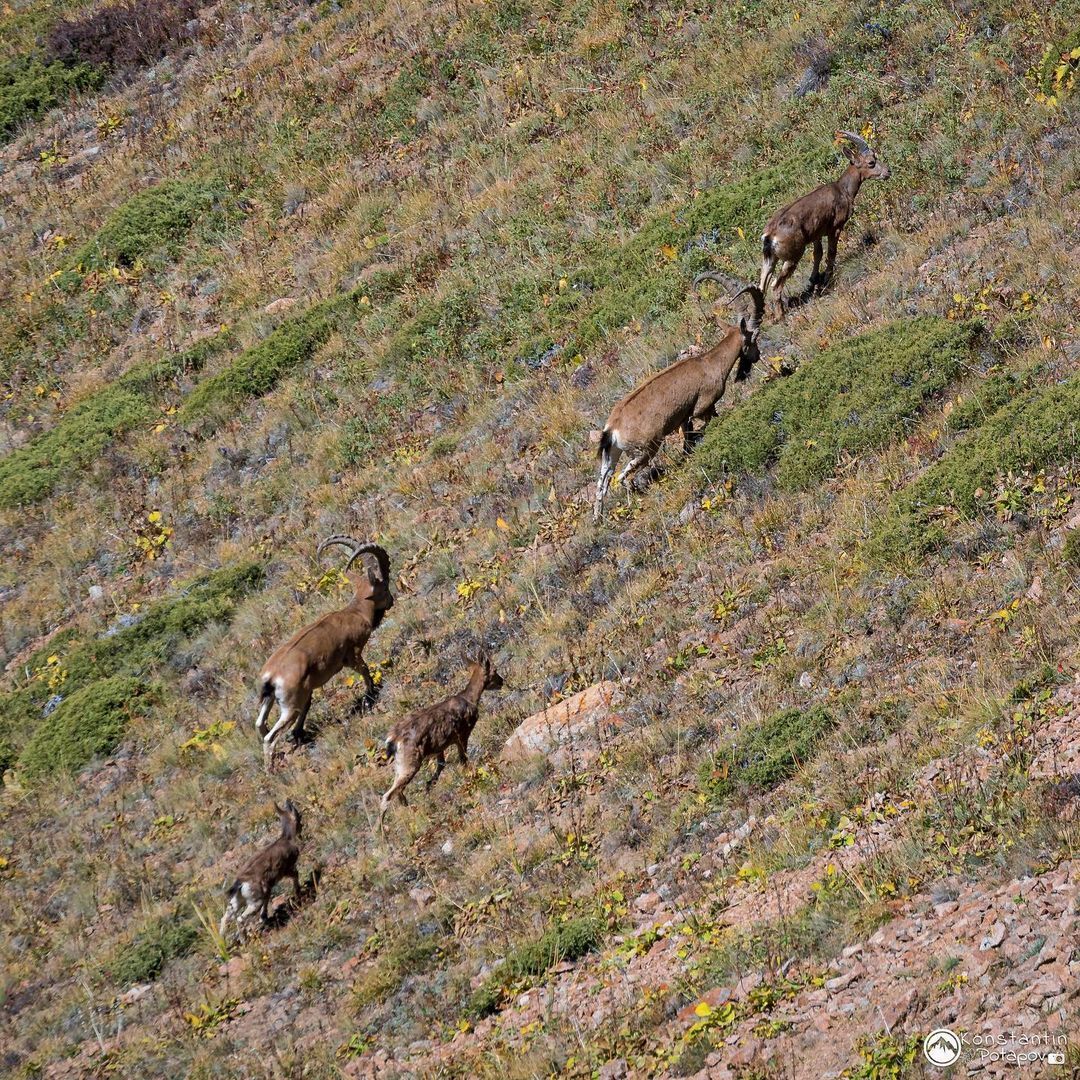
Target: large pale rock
x,y
576,720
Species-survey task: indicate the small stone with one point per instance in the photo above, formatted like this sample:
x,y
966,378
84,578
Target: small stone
x,y
282,304
448,847
422,896
615,1069
806,680
647,902
994,937
129,997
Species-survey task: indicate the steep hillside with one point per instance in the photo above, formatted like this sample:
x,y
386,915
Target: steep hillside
x,y
272,272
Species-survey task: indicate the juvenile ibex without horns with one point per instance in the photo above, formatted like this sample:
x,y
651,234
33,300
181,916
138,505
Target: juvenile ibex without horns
x,y
433,730
254,885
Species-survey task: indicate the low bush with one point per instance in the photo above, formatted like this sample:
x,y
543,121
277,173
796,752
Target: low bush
x,y
143,958
1039,427
87,724
123,37
32,472
29,88
154,221
71,664
855,396
764,756
565,941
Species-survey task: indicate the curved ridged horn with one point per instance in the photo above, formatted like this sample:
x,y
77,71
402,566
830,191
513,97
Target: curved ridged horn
x,y
753,322
711,275
356,549
858,140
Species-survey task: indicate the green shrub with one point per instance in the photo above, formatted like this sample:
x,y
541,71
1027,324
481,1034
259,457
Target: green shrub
x,y
82,434
406,955
86,724
565,941
130,653
29,88
259,369
1059,73
162,940
764,756
855,396
30,473
154,221
1038,428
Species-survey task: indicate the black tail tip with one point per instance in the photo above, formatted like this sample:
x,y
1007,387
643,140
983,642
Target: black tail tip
x,y
605,442
391,748
766,246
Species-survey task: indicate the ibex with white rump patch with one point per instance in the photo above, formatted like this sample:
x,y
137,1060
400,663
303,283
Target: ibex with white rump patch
x,y
821,215
317,653
254,885
432,731
672,399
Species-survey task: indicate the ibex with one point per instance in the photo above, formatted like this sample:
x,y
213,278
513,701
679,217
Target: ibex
x,y
255,883
672,399
434,730
319,651
820,215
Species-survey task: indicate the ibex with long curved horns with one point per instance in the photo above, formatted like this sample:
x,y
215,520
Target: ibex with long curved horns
x,y
672,399
821,215
317,653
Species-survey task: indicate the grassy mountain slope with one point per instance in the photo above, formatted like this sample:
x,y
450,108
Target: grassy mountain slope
x,y
270,273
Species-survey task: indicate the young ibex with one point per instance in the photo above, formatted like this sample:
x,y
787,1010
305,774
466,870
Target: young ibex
x,y
672,399
318,652
820,215
434,730
255,884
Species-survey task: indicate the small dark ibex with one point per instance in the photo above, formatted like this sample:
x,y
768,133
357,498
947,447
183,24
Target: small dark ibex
x,y
433,730
317,653
672,399
254,885
820,215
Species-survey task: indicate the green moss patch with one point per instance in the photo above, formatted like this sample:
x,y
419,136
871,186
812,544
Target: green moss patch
x,y
565,941
155,221
144,957
1039,427
29,88
764,756
87,724
34,471
855,396
129,655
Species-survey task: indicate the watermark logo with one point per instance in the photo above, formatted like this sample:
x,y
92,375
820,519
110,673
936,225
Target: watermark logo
x,y
941,1048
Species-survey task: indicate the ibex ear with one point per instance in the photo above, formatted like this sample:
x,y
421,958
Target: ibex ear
x,y
280,812
849,151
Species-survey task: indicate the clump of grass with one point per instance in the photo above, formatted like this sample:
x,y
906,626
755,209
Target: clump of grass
x,y
1039,427
764,756
569,940
124,36
855,396
87,724
144,957
1059,73
29,88
32,472
78,664
407,955
154,221
998,389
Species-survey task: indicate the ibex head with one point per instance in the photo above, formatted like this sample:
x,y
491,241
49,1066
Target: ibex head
x,y
861,154
750,327
374,585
